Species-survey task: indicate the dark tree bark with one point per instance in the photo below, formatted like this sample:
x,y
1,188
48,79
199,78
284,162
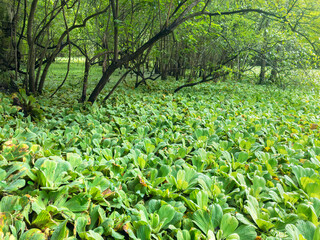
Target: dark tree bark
x,y
262,74
6,34
32,52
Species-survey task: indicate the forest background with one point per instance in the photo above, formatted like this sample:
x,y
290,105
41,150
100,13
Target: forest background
x,y
159,119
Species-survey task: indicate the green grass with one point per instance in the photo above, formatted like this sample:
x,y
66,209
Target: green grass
x,y
226,161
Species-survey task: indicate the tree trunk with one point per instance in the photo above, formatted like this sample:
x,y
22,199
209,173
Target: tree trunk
x,y
103,81
7,36
115,11
105,46
273,75
44,73
262,70
85,80
32,52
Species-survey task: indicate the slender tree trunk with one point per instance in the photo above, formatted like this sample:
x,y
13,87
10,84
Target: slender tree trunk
x,y
262,76
85,80
115,86
262,70
15,43
44,51
31,45
115,11
273,75
50,60
44,73
106,46
156,66
105,57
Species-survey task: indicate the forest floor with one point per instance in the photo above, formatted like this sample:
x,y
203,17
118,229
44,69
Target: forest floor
x,y
226,160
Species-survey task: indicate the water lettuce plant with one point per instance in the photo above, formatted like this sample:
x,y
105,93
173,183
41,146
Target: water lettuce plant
x,y
228,161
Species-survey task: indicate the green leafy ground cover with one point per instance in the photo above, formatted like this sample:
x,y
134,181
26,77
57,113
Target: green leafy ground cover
x,y
221,161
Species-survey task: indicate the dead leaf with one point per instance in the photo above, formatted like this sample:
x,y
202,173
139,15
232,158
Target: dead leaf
x,y
142,182
126,227
314,126
107,193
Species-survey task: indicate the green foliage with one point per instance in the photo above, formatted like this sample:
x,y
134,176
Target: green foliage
x,y
27,105
230,161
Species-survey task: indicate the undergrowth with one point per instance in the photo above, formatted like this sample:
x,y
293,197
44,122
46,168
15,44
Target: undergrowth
x,y
225,160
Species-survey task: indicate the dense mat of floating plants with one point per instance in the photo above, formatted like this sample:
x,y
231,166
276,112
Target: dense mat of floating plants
x,y
227,162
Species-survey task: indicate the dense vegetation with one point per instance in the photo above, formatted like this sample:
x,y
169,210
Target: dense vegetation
x,y
224,161
237,156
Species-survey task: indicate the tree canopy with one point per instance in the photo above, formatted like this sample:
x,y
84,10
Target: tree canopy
x,y
198,41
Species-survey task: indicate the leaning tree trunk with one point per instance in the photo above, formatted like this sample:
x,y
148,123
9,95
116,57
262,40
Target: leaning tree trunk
x,y
104,79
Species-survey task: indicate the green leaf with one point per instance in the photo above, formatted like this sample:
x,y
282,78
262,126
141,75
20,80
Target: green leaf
x,y
253,207
155,221
293,232
43,220
116,235
202,199
148,146
52,173
79,203
143,231
141,162
316,235
208,220
306,229
74,159
242,157
182,152
228,224
183,235
92,235
3,174
14,186
259,184
81,224
264,224
166,214
9,203
61,232
246,232
33,234
306,212
233,236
